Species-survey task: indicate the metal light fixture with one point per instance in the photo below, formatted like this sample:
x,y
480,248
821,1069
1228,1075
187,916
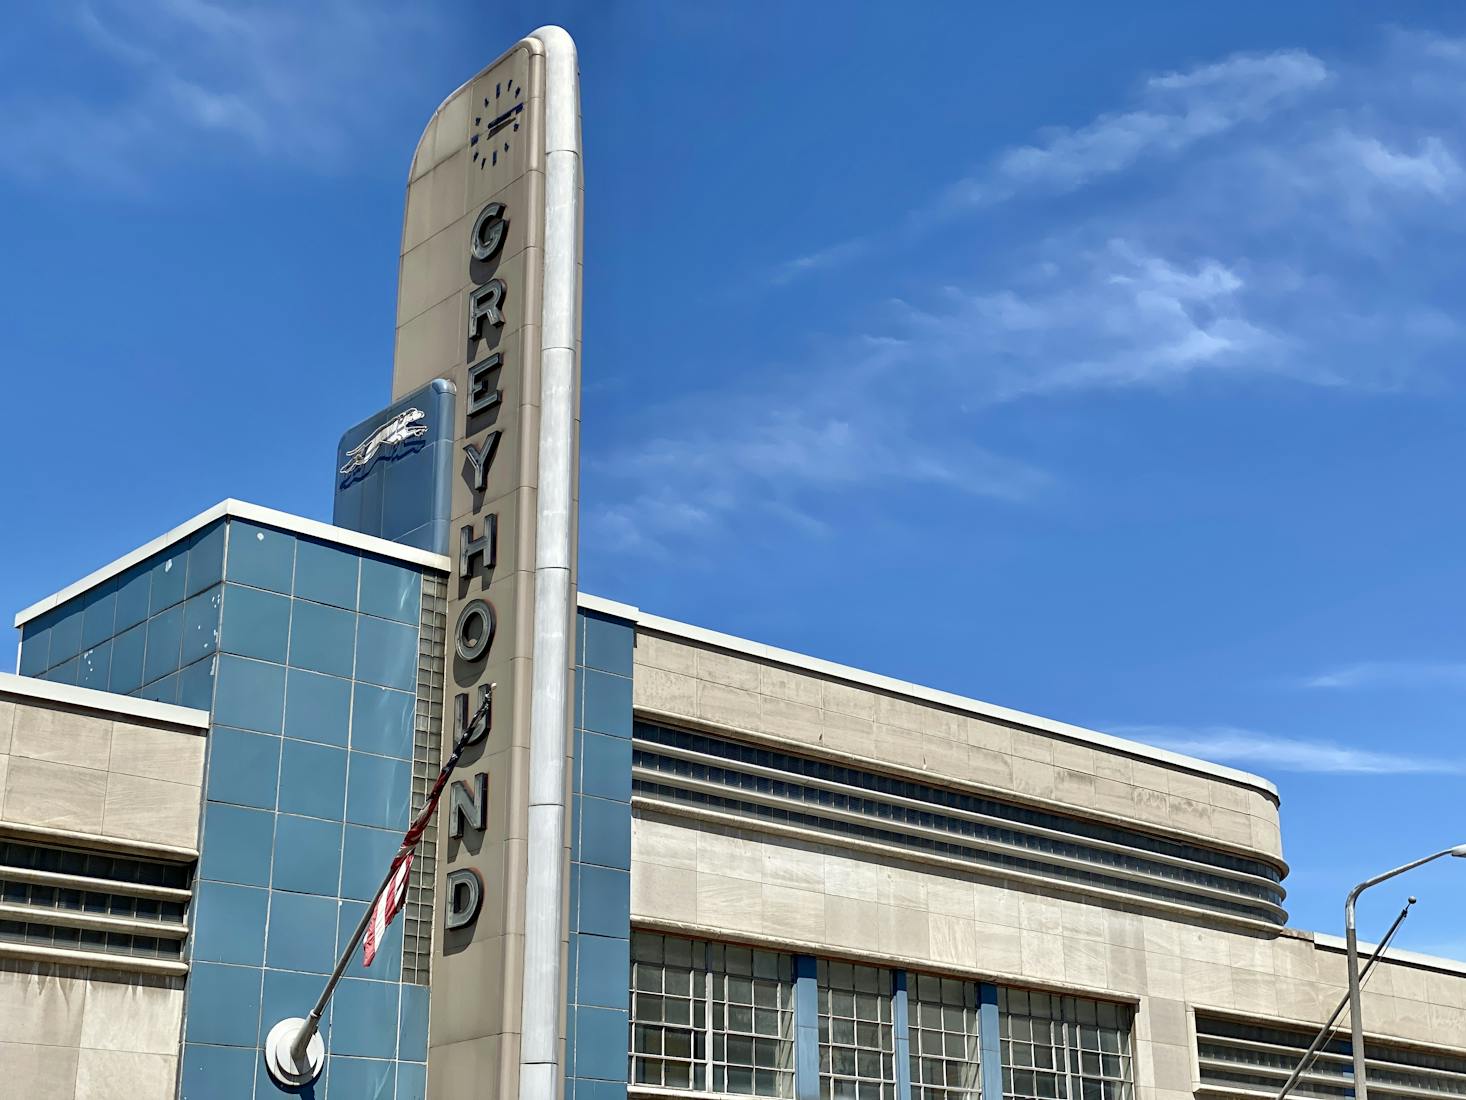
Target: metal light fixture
x,y
1356,1022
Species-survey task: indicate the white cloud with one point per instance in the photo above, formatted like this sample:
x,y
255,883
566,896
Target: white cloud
x,y
186,79
1249,748
1175,111
1387,674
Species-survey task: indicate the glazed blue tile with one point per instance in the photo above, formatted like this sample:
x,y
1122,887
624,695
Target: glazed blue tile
x,y
606,766
603,973
605,900
206,558
607,703
237,843
66,632
608,645
260,557
322,639
600,1043
133,590
249,694
170,575
412,1038
243,767
255,623
229,923
390,591
386,653
196,685
589,1089
302,935
35,648
64,673
326,574
387,965
368,854
382,721
127,660
160,691
289,994
307,855
317,708
363,1078
217,1073
100,615
377,791
312,780
223,1006
201,625
412,1077
94,667
266,1089
165,644
366,1018
605,836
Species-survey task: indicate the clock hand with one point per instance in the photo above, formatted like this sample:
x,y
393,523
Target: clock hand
x,y
494,124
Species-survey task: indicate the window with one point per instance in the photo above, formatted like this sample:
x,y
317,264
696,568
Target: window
x,y
1063,1048
945,1055
711,1017
857,1040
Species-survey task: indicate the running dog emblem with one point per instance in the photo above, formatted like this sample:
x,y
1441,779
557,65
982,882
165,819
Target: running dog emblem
x,y
399,429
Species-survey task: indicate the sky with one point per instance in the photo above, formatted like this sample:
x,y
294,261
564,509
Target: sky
x,y
1100,362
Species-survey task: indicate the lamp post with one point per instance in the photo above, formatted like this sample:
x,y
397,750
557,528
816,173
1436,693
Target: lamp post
x,y
1356,1023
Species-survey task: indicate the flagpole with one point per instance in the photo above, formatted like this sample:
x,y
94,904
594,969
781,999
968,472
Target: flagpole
x,y
294,1051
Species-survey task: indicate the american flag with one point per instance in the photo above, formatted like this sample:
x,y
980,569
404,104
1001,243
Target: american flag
x,y
394,892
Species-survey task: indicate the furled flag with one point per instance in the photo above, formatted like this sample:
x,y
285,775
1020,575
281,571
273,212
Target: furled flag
x,y
393,893
388,903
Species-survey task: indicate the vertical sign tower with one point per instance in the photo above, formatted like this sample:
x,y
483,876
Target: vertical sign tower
x,y
489,298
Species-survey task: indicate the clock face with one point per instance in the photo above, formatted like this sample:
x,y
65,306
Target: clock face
x,y
498,122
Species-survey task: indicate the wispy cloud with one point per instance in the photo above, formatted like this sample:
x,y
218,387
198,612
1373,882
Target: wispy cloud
x,y
1249,748
1370,674
186,79
1174,112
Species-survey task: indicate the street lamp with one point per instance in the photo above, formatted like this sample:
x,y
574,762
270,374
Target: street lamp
x,y
1356,1024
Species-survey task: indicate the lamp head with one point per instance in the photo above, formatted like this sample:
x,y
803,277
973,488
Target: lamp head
x,y
1459,850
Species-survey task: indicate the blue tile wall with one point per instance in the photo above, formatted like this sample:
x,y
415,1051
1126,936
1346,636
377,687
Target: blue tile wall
x,y
307,795
600,861
306,655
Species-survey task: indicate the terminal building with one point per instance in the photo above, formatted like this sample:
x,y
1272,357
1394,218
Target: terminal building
x,y
710,867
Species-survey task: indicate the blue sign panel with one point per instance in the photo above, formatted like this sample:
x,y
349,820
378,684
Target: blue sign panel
x,y
392,470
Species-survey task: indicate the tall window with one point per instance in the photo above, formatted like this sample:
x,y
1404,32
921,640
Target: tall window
x,y
945,1054
1063,1048
711,1017
857,1039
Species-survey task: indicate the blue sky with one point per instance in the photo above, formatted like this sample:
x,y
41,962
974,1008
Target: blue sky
x,y
1097,362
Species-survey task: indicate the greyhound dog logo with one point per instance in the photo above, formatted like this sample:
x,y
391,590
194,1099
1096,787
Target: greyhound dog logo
x,y
399,429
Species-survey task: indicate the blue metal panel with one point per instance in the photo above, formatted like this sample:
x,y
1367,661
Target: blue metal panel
x,y
902,1029
401,490
806,1029
988,1033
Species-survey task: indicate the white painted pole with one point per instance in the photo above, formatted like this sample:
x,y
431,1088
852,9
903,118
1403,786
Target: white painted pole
x,y
544,917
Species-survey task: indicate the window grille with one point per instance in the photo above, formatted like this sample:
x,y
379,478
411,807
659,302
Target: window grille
x,y
945,1052
857,1039
1063,1048
711,1017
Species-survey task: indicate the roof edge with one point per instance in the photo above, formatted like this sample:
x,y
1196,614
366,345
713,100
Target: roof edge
x,y
254,513
106,701
974,707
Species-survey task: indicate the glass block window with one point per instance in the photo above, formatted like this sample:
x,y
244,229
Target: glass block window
x,y
945,1054
857,1039
1063,1048
711,1017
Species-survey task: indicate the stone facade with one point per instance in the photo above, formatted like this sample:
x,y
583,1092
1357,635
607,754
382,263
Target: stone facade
x,y
756,884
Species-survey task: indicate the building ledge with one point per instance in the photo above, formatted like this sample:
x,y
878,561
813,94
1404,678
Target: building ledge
x,y
103,702
254,513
